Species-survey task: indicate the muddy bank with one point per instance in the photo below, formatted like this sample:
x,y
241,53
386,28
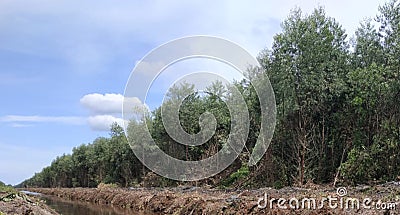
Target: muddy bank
x,y
188,200
194,200
19,203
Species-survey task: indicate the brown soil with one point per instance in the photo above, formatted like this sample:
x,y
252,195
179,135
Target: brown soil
x,y
195,200
21,204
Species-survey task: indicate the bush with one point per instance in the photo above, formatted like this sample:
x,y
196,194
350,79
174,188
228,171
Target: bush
x,y
241,173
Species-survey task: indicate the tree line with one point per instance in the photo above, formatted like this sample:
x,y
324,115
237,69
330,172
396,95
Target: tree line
x,y
338,114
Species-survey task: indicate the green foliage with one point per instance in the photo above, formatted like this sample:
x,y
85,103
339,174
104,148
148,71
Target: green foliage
x,y
6,188
106,160
358,166
373,101
307,66
336,106
338,114
240,174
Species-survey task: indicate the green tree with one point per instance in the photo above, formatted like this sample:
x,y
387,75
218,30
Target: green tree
x,y
306,66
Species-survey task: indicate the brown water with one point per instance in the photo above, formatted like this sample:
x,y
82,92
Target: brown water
x,y
77,208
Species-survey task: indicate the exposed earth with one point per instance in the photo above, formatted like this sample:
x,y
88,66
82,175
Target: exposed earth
x,y
378,199
20,204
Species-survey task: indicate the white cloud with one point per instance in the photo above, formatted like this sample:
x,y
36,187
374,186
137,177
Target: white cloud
x,y
106,109
107,104
77,34
97,122
103,122
109,34
21,125
18,119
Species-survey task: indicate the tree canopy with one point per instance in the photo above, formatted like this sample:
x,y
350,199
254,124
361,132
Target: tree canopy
x,y
338,114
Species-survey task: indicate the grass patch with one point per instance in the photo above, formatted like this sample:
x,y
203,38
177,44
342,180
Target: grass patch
x,y
6,188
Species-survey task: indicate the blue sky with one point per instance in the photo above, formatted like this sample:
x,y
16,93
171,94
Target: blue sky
x,y
64,64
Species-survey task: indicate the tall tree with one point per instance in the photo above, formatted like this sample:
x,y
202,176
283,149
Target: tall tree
x,y
306,65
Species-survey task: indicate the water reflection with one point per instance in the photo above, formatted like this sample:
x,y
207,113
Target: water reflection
x,y
75,207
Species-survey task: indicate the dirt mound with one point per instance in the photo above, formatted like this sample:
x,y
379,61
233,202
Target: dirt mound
x,y
195,200
21,204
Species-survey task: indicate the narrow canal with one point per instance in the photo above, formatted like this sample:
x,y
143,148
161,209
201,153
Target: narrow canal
x,y
66,207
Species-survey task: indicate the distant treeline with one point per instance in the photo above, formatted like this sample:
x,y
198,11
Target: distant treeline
x,y
338,114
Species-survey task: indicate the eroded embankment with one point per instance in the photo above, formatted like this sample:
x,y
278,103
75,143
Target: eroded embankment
x,y
193,200
19,203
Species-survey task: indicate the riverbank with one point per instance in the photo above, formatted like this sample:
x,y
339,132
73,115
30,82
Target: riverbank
x,y
13,202
195,200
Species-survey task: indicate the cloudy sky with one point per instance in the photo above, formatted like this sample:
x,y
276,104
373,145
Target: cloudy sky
x,y
64,65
